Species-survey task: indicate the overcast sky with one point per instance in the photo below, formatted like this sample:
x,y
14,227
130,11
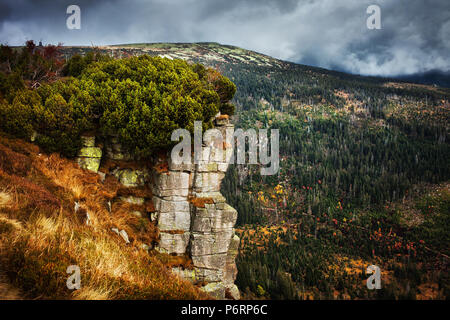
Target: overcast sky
x,y
415,34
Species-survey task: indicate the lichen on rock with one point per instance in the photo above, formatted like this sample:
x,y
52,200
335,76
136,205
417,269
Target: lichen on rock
x,y
89,156
191,214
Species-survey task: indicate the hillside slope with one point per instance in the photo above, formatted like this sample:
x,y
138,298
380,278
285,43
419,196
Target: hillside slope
x,y
54,214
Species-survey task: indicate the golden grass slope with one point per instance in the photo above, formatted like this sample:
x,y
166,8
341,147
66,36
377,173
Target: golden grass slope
x,y
41,234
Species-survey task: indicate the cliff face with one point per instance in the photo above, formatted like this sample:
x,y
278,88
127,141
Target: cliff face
x,y
191,214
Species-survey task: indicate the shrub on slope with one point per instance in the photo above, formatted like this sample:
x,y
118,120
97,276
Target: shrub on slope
x,y
41,234
141,100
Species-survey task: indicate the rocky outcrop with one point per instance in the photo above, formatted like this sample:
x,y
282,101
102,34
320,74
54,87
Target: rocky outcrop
x,y
192,216
115,151
172,210
89,156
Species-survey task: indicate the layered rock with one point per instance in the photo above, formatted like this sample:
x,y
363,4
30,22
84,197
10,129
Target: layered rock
x,y
89,156
170,197
115,151
192,216
131,177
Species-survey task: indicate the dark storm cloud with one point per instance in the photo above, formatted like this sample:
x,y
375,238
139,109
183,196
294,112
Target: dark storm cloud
x,y
415,34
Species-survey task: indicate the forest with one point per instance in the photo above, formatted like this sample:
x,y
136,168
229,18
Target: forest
x,y
363,180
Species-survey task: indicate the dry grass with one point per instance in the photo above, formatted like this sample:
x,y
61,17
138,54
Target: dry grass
x,y
10,223
223,117
183,261
91,294
200,202
5,199
42,234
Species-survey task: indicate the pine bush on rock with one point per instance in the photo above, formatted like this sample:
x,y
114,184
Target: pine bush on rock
x,y
139,100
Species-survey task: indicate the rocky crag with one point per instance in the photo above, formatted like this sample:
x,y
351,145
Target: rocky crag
x,y
191,214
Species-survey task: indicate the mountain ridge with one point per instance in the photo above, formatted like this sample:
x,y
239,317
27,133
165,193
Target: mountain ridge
x,y
215,54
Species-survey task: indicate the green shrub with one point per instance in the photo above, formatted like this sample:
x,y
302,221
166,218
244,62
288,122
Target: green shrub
x,y
18,117
224,88
10,84
141,100
227,108
75,65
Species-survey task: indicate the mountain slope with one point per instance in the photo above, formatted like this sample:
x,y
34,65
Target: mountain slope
x,y
363,179
54,214
208,53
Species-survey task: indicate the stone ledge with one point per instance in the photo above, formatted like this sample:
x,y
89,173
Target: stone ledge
x,y
91,164
173,243
169,221
90,152
213,261
215,289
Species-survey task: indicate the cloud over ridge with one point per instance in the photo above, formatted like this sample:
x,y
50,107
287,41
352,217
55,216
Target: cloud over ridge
x,y
415,34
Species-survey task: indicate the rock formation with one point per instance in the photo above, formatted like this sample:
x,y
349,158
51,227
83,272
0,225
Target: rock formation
x,y
89,156
191,214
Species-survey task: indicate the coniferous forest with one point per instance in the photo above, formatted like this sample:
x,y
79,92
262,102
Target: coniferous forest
x,y
365,164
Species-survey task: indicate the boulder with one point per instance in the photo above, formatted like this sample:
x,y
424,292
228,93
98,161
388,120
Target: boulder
x,y
124,236
91,164
233,292
174,220
89,157
173,243
131,178
215,289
